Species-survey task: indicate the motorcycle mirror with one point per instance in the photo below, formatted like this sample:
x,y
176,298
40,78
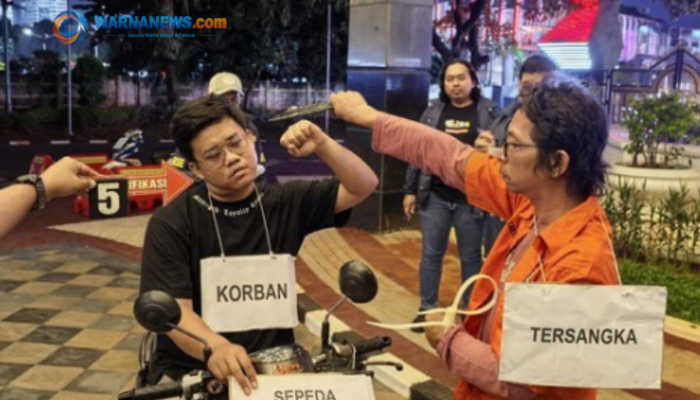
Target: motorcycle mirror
x,y
357,282
157,311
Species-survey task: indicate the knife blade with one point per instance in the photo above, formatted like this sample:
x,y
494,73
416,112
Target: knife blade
x,y
301,111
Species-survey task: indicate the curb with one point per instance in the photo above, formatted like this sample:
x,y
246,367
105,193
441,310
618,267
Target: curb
x,y
409,383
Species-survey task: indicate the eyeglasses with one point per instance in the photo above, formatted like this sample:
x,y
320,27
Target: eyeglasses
x,y
506,145
235,144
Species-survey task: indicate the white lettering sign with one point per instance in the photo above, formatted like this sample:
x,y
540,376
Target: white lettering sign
x,y
326,386
583,335
249,292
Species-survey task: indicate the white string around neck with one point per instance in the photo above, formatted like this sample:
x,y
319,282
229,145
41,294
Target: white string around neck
x,y
453,310
264,219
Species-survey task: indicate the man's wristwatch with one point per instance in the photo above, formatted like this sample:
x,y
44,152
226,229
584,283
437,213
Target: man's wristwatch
x,y
38,183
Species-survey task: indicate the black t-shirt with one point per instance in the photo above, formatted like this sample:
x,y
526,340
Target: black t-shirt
x,y
463,124
180,235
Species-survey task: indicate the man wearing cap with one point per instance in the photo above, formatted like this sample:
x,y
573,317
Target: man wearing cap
x,y
228,85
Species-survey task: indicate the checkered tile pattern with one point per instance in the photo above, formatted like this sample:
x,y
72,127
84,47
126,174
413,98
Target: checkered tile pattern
x,y
66,325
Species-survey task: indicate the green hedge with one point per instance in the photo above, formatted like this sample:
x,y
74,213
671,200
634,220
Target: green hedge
x,y
683,287
655,229
47,123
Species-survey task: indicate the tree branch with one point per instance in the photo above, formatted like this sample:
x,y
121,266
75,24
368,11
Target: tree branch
x,y
440,47
456,15
477,8
477,59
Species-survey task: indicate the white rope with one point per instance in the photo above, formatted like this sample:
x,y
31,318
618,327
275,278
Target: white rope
x,y
450,312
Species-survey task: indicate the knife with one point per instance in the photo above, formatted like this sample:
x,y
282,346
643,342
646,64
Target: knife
x,y
301,111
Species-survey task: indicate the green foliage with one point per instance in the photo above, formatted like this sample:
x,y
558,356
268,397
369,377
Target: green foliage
x,y
683,287
47,65
45,122
98,117
624,205
90,74
655,125
682,7
673,217
32,119
267,39
654,229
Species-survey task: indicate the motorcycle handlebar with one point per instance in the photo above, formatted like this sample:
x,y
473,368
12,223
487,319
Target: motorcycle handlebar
x,y
195,382
177,389
162,391
371,345
362,347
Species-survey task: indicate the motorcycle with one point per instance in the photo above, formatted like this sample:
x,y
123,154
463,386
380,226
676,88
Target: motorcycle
x,y
158,312
125,150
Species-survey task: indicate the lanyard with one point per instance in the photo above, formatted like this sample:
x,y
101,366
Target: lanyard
x,y
218,231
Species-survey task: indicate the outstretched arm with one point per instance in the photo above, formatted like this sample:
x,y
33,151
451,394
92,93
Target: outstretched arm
x,y
457,164
357,180
420,145
62,179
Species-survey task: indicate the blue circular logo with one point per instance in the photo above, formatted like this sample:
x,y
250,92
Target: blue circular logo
x,y
70,27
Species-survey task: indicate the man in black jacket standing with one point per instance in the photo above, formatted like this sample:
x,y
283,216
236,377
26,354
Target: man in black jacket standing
x,y
532,72
463,113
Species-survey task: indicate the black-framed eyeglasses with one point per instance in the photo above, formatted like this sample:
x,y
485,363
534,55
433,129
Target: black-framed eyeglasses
x,y
506,145
236,144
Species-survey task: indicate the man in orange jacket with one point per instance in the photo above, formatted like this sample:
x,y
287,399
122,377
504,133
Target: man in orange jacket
x,y
544,185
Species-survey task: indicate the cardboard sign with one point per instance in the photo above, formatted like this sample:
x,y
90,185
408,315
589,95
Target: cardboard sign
x,y
249,292
152,180
326,386
109,199
587,336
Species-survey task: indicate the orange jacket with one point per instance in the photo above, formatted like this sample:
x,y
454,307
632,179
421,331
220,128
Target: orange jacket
x,y
575,248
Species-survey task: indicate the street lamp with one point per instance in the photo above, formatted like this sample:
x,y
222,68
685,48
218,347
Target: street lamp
x,y
43,36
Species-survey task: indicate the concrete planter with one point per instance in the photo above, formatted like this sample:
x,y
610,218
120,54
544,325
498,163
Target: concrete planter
x,y
658,180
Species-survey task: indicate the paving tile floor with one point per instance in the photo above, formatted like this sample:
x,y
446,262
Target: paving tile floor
x,y
66,325
92,275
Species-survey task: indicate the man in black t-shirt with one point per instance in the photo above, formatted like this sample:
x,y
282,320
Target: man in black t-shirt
x,y
462,113
224,216
462,123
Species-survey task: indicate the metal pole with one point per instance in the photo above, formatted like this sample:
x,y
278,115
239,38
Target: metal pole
x,y
6,35
328,63
607,100
678,69
70,87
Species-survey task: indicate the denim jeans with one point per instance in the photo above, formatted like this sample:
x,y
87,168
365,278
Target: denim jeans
x,y
492,228
437,217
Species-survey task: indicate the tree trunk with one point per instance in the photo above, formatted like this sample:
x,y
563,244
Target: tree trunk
x,y
440,47
476,58
250,86
171,54
138,90
605,44
171,83
462,29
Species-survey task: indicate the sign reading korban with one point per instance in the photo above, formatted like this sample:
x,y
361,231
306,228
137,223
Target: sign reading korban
x,y
586,336
249,292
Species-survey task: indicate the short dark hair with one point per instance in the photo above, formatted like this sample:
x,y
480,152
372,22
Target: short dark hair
x,y
537,64
567,117
475,95
196,115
